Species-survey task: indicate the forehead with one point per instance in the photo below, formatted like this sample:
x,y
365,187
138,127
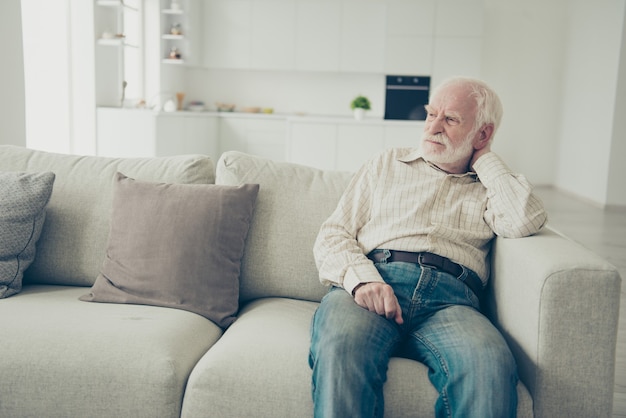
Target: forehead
x,y
455,98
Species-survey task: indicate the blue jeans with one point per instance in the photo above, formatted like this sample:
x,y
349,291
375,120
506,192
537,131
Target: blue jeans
x,y
469,362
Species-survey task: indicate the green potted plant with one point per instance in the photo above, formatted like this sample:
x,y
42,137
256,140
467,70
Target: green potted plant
x,y
359,105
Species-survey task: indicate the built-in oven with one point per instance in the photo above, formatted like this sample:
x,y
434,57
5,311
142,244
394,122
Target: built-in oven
x,y
406,96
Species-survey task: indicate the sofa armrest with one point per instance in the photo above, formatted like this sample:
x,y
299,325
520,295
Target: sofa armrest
x,y
557,304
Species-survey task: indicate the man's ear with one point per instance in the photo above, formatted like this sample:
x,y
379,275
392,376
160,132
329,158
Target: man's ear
x,y
483,136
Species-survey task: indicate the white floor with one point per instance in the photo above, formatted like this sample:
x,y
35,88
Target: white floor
x,y
604,232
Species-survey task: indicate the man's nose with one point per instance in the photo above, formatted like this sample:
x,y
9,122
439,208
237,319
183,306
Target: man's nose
x,y
435,126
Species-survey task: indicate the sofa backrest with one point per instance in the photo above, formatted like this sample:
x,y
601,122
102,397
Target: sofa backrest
x,y
292,204
72,245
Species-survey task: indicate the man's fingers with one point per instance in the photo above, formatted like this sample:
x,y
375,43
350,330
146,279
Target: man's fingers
x,y
398,317
380,299
393,309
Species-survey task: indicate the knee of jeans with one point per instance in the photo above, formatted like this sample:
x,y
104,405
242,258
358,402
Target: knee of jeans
x,y
494,361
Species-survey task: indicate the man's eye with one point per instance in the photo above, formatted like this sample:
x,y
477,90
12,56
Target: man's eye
x,y
432,115
452,121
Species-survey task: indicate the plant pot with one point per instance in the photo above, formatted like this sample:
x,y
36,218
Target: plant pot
x,y
359,113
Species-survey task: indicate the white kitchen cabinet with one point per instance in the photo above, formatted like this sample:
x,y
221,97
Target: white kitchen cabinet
x,y
345,144
244,34
403,135
410,36
357,144
125,132
192,134
266,138
312,144
458,39
318,50
346,36
273,40
143,133
411,17
459,18
260,135
363,36
227,34
332,143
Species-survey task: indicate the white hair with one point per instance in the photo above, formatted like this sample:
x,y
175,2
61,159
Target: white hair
x,y
488,106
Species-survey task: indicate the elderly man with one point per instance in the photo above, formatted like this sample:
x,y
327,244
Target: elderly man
x,y
406,252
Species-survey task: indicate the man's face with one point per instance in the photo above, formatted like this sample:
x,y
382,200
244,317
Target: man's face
x,y
448,139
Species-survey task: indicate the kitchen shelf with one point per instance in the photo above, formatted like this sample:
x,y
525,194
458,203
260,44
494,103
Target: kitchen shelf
x,y
111,42
175,32
115,42
117,28
173,61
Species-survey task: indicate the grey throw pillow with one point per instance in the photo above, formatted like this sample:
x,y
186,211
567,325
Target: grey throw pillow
x,y
176,246
23,200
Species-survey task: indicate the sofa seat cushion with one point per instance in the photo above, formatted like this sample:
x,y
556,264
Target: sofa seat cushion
x,y
62,357
74,236
260,368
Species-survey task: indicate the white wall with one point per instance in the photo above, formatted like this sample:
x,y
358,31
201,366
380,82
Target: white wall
x,y
522,60
616,195
560,68
59,70
12,120
83,90
46,68
590,80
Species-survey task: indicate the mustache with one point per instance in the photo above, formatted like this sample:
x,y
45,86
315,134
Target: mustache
x,y
440,138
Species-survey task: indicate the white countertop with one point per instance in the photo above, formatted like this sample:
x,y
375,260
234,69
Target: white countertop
x,y
288,117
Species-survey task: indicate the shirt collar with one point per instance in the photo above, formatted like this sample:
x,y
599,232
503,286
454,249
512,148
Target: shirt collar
x,y
415,155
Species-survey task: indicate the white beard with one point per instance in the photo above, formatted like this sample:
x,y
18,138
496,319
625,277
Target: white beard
x,y
447,154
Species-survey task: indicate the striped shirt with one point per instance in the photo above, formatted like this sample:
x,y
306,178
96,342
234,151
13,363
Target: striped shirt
x,y
399,201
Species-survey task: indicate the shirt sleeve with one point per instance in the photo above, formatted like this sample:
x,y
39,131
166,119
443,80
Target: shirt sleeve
x,y
338,255
513,211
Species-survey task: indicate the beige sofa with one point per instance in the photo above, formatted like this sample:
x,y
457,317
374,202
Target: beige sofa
x,y
556,302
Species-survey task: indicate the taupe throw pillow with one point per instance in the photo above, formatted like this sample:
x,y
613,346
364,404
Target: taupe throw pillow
x,y
176,246
23,200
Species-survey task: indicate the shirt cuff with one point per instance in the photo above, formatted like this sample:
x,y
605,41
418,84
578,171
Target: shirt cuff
x,y
489,167
361,273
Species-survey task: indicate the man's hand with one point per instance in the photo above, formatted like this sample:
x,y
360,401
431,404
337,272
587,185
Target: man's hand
x,y
379,298
479,153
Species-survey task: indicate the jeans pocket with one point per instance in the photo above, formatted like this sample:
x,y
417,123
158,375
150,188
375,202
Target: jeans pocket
x,y
469,293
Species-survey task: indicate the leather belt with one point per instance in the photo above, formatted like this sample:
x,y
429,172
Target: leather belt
x,y
431,260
